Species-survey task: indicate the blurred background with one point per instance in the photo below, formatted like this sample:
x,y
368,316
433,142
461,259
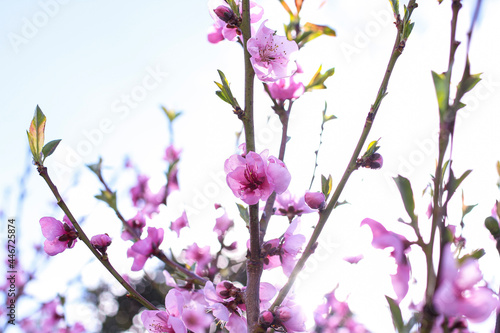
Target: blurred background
x,y
100,72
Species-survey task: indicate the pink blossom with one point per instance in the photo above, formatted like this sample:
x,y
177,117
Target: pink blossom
x,y
59,236
101,242
180,223
172,154
457,293
291,317
315,200
283,252
255,176
143,249
144,198
137,223
270,55
286,88
223,224
290,206
382,238
226,302
354,259
226,23
168,321
200,256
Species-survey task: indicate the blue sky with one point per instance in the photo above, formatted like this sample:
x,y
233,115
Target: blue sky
x,y
100,71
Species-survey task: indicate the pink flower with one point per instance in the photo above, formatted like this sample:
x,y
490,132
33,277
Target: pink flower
x,y
144,198
282,252
172,154
101,242
286,88
255,176
200,256
223,224
290,206
457,293
315,200
226,23
137,223
227,303
60,236
382,238
143,249
168,321
180,223
270,55
291,317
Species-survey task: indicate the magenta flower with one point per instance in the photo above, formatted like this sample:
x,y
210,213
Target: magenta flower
x,y
172,154
226,24
290,206
283,252
143,249
270,55
168,321
137,223
315,200
286,88
180,223
144,198
60,236
101,242
198,255
382,238
255,176
291,317
226,302
222,225
458,293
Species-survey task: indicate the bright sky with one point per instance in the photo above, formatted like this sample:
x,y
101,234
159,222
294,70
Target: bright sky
x,y
99,71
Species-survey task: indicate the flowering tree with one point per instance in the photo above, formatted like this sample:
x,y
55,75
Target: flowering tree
x,y
204,293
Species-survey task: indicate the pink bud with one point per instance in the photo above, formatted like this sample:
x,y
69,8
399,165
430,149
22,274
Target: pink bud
x,y
101,242
315,200
224,13
266,318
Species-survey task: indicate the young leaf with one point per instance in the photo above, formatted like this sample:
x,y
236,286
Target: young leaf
x,y
36,134
312,31
108,197
96,168
465,208
454,183
225,92
397,317
244,213
318,80
329,117
395,7
171,114
442,91
406,192
49,148
326,185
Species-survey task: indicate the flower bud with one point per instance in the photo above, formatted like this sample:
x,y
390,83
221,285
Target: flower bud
x,y
492,225
315,200
376,161
224,13
101,242
266,318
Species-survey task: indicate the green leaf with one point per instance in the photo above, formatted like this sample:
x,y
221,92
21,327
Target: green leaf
x,y
318,80
244,213
49,148
476,254
171,114
326,185
312,31
96,168
397,317
454,183
395,6
329,117
465,208
442,91
36,134
406,192
225,92
492,225
108,197
408,28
